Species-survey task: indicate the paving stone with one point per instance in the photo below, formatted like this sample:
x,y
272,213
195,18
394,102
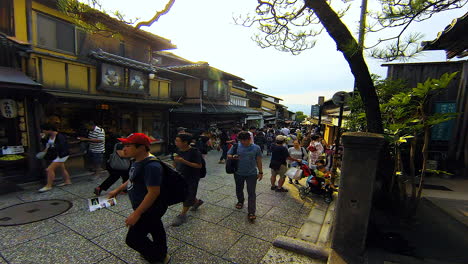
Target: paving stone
x,y
191,255
273,199
286,216
62,247
292,204
210,237
29,196
226,190
262,228
316,216
13,235
83,189
293,232
111,259
277,255
93,224
114,242
210,196
310,231
209,186
211,213
248,250
230,203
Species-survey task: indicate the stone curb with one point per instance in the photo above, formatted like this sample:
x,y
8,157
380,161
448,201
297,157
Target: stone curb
x,y
301,247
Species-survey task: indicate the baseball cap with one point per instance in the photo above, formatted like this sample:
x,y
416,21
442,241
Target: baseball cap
x,y
181,128
280,138
137,138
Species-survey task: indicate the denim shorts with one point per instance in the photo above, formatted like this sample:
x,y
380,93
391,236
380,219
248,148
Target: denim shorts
x,y
95,158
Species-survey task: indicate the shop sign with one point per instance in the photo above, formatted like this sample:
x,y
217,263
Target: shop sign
x,y
9,108
138,81
111,76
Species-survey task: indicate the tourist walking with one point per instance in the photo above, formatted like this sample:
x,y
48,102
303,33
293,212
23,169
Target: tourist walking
x,y
188,161
297,152
144,188
315,149
279,156
224,144
250,159
96,149
57,153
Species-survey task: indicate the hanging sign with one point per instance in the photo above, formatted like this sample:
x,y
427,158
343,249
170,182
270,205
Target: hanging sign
x,y
9,108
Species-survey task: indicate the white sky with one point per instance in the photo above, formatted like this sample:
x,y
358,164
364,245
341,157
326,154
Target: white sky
x,y
203,30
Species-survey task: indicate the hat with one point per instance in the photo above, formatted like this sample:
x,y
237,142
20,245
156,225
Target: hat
x,y
280,138
137,138
181,129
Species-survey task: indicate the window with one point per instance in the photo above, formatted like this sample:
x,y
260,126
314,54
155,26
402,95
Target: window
x,y
178,88
217,90
55,34
6,17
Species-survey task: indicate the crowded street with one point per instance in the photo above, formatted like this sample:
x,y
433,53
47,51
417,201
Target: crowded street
x,y
216,233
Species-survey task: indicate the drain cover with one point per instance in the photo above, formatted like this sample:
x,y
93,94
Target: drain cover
x,y
25,213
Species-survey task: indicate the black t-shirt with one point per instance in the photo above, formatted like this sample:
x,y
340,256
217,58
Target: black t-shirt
x,y
139,180
191,155
279,154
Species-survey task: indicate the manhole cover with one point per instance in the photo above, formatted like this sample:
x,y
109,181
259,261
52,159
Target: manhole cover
x,y
25,213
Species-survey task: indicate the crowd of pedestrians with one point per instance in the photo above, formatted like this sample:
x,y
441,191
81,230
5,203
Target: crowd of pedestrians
x,y
142,175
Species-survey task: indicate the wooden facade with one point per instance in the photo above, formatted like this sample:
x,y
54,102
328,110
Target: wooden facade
x,y
451,150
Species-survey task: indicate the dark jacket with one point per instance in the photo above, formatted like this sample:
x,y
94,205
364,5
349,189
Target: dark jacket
x,y
61,145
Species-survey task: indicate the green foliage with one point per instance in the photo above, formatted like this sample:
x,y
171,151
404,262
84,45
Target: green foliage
x,y
300,116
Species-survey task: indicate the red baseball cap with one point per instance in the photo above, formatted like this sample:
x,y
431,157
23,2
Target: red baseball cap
x,y
137,138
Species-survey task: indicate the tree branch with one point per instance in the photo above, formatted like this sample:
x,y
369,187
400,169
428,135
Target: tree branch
x,y
156,16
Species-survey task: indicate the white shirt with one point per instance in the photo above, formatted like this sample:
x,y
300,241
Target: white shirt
x,y
285,131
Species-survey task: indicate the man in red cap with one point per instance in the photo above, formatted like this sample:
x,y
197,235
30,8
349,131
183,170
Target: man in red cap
x,y
143,187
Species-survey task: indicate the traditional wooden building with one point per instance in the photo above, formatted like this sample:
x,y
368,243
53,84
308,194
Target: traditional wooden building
x,y
85,75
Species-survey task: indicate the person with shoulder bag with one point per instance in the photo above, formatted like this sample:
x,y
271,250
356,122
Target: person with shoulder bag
x,y
145,187
56,152
117,165
298,153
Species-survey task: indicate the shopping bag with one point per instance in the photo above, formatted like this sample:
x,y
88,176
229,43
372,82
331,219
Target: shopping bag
x,y
294,173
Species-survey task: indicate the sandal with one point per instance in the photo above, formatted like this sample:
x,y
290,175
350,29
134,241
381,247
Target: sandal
x,y
239,205
251,217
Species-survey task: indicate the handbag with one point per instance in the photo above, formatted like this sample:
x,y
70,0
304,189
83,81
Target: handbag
x,y
232,164
294,173
116,162
51,153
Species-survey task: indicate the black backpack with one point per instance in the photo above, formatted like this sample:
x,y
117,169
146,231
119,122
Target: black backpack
x,y
231,164
203,162
173,186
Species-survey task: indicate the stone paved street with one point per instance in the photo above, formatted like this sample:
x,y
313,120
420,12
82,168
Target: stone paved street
x,y
216,233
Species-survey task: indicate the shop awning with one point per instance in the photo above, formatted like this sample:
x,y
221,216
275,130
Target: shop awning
x,y
14,79
137,65
215,109
111,99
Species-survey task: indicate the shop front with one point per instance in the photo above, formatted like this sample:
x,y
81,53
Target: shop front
x,y
19,129
119,116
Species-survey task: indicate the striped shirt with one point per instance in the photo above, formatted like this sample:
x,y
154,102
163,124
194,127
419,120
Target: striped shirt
x,y
97,133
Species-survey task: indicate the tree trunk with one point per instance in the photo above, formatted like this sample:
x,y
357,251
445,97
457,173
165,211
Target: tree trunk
x,y
346,43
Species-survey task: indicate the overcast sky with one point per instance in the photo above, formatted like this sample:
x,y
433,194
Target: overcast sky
x,y
203,30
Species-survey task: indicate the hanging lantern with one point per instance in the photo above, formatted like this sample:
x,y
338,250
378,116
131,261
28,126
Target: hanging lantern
x,y
9,108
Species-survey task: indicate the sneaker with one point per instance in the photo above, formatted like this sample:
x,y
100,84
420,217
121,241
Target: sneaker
x,y
179,220
290,181
44,189
166,260
273,188
195,206
221,162
281,190
63,184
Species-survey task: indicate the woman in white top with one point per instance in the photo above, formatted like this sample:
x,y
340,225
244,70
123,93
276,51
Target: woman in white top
x,y
298,153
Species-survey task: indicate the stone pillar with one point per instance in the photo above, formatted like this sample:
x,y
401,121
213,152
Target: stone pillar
x,y
358,170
